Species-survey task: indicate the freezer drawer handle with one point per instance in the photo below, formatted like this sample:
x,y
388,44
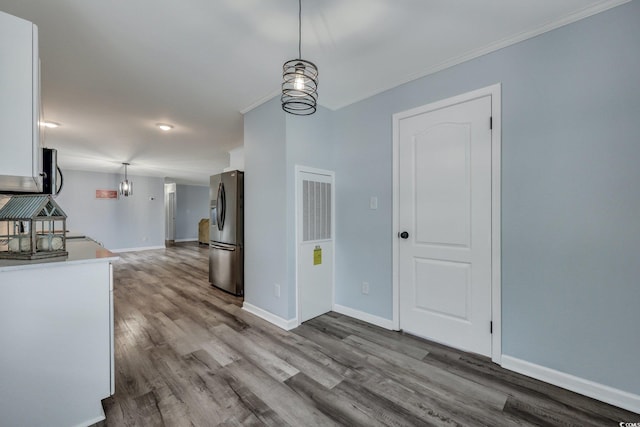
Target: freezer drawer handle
x,y
224,248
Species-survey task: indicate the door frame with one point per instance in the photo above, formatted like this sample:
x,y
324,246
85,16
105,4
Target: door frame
x,y
170,187
301,169
496,142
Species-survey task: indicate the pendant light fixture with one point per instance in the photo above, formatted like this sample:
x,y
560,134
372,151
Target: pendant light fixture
x,y
299,80
126,186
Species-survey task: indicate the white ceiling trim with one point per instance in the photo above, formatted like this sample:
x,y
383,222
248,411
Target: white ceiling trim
x,y
264,99
574,17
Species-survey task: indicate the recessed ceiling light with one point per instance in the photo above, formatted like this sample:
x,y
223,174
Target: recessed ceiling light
x,y
165,127
51,124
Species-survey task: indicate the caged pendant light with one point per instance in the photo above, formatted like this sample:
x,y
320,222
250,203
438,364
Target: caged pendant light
x,y
299,81
126,186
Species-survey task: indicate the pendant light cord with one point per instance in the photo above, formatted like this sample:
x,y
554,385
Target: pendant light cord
x,y
300,29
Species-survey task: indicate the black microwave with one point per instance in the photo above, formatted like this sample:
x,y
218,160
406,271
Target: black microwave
x,y
52,179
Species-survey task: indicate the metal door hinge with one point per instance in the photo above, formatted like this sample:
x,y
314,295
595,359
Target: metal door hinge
x,y
491,327
491,123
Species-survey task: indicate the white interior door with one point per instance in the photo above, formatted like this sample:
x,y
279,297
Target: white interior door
x,y
444,261
314,221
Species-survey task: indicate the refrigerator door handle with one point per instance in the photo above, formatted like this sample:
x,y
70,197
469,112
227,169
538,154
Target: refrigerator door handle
x,y
221,206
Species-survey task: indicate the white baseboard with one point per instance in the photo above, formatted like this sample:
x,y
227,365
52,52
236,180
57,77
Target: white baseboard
x,y
91,422
604,393
142,248
193,239
365,317
281,323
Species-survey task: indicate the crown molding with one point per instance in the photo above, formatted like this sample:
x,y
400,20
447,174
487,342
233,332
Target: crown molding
x,y
492,47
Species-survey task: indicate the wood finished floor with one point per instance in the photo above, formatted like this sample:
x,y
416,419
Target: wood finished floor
x,y
187,355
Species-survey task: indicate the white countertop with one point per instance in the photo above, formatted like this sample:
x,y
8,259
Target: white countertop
x,y
81,251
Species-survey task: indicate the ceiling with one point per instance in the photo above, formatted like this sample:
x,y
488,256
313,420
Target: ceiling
x,y
111,70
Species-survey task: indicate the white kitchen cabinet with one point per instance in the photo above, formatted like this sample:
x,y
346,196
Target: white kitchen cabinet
x,y
20,159
56,338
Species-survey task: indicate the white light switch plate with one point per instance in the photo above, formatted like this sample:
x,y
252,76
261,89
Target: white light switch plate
x,y
365,288
373,202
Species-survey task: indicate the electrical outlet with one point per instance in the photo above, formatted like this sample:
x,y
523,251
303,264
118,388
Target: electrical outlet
x,y
365,288
276,290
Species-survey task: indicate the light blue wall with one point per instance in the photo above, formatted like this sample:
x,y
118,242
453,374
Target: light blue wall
x,y
310,144
570,199
275,143
363,236
192,205
570,225
128,222
265,198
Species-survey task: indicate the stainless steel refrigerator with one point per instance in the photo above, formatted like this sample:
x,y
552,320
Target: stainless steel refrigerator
x,y
226,246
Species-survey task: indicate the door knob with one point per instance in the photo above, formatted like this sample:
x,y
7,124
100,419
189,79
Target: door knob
x,y
404,235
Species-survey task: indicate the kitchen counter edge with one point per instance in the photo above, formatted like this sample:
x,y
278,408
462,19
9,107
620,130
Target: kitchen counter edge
x,y
83,251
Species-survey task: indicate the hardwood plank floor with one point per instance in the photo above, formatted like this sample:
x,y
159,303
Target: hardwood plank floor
x,y
188,355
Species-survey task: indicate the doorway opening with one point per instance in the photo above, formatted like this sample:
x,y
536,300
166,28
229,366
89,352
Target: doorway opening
x,y
170,214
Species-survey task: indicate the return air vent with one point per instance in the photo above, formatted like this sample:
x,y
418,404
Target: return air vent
x,y
316,213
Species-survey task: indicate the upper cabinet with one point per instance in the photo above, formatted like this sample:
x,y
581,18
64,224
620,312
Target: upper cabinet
x,y
20,150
